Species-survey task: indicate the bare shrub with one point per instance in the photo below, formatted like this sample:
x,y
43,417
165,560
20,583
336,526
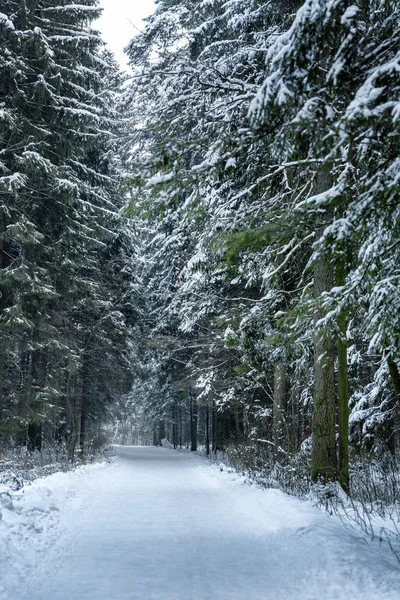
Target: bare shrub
x,y
373,504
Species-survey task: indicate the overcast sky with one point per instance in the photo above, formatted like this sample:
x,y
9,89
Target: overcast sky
x,y
119,22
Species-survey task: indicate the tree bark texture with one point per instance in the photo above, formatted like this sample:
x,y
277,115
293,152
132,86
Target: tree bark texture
x,y
279,409
4,262
395,377
343,393
208,430
37,382
323,458
174,416
193,424
85,400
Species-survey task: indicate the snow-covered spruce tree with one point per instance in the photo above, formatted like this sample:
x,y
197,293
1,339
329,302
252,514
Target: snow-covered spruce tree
x,y
238,210
60,221
204,180
9,64
20,236
234,252
317,73
296,107
370,129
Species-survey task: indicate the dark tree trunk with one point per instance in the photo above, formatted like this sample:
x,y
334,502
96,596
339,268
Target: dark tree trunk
x,y
213,428
180,426
395,377
174,436
193,424
4,263
37,381
161,431
279,409
71,430
343,393
34,437
324,461
323,458
343,412
208,430
84,401
238,428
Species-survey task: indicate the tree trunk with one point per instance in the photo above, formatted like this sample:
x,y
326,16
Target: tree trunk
x,y
395,377
180,426
208,430
161,431
37,382
193,424
34,439
324,463
4,262
174,436
238,429
213,428
72,415
323,458
155,440
2,369
279,408
84,402
343,393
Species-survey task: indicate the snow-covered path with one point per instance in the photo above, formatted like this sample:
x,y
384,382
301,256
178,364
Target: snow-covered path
x,y
164,525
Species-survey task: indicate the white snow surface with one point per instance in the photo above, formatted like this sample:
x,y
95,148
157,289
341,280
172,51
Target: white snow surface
x,y
157,524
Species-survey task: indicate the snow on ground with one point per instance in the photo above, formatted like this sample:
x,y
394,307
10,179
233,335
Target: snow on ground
x,y
163,525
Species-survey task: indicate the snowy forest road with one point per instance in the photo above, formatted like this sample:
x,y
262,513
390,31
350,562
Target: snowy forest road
x,y
159,524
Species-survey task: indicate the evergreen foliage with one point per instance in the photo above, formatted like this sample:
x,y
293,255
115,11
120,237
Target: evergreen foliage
x,y
250,294
62,319
266,159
